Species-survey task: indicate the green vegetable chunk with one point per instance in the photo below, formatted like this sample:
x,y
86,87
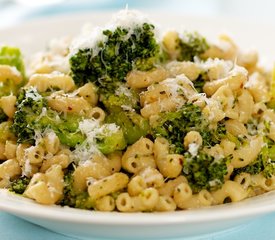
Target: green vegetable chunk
x,y
191,45
175,125
133,125
204,172
112,142
122,50
19,185
32,114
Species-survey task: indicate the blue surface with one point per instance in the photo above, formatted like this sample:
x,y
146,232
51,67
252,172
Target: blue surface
x,y
13,228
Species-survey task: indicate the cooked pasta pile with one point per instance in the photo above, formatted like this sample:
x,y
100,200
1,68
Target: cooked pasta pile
x,y
121,119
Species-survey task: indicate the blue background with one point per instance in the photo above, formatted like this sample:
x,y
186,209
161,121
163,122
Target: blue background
x,y
13,228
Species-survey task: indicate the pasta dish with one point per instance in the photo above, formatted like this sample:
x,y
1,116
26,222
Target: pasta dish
x,y
127,118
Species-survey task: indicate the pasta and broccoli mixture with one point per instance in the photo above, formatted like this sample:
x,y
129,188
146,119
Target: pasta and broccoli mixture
x,y
124,119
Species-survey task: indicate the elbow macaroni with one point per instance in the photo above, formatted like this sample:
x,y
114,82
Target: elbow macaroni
x,y
233,94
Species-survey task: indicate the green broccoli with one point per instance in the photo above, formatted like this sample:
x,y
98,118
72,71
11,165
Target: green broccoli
x,y
71,199
124,97
203,171
123,109
191,45
175,125
32,114
122,50
110,143
133,125
19,185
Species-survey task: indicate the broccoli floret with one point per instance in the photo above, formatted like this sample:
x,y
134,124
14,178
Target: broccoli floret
x,y
32,114
71,199
28,108
122,109
124,97
203,171
122,50
111,143
175,125
191,45
19,185
133,125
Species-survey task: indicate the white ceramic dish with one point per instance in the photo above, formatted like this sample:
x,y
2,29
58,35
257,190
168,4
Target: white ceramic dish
x,y
87,224
32,37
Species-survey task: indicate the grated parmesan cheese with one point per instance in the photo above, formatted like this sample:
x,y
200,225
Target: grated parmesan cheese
x,y
123,90
33,95
93,130
127,19
193,149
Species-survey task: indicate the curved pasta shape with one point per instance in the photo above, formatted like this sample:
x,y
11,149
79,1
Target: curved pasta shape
x,y
89,93
165,204
152,177
52,80
147,200
10,149
67,104
136,185
235,81
46,188
246,154
139,156
189,69
7,103
9,169
105,204
169,165
168,188
108,185
139,79
90,170
10,73
230,190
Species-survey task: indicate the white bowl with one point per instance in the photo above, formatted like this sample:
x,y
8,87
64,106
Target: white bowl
x,y
86,224
33,36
